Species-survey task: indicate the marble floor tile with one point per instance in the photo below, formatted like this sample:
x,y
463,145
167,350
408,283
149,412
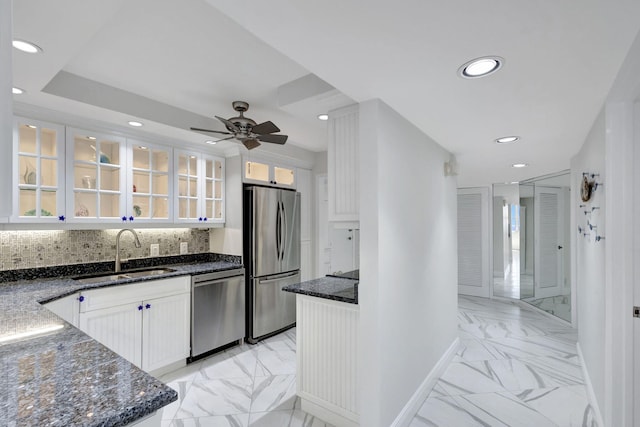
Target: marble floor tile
x,y
229,365
473,350
216,397
293,418
239,420
566,406
277,392
275,362
182,387
469,378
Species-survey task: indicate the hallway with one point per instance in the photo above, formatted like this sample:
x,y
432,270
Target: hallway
x,y
515,367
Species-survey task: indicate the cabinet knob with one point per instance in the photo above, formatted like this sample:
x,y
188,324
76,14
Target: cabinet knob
x,y
61,218
124,218
140,308
200,219
131,218
80,298
148,306
205,218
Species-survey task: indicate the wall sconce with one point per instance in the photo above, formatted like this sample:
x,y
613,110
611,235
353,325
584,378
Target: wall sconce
x,y
451,166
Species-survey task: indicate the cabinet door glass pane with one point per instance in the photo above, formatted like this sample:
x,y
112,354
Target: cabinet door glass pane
x,y
27,202
48,203
141,158
193,187
161,184
193,165
182,186
141,182
48,143
160,161
218,209
257,171
182,164
209,168
109,205
141,207
193,208
209,190
85,205
49,172
110,152
218,171
27,135
283,176
209,209
160,207
85,176
218,193
109,178
84,148
27,170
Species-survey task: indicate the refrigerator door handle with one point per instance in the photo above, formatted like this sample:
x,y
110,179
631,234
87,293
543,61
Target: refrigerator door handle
x,y
286,228
278,231
281,221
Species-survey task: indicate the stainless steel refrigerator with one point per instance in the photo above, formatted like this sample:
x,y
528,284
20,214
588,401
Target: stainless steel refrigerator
x,y
272,258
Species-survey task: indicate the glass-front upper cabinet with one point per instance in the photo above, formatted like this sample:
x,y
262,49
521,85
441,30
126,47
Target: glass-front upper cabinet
x,y
259,172
38,172
96,177
199,183
149,176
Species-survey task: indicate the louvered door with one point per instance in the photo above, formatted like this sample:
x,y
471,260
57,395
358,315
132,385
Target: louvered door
x,y
549,243
473,242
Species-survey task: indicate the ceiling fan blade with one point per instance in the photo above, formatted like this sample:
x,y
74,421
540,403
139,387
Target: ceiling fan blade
x,y
264,128
232,127
251,143
227,138
209,130
274,139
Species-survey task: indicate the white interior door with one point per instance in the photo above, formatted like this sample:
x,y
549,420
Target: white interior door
x,y
473,242
549,242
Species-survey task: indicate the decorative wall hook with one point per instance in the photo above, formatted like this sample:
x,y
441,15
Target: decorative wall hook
x,y
594,208
591,226
598,238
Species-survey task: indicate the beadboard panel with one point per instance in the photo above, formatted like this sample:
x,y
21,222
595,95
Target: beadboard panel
x,y
327,348
343,164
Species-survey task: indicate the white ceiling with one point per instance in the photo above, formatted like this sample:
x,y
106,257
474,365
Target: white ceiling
x,y
198,56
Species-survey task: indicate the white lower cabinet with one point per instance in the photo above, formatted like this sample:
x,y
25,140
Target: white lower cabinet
x,y
66,308
146,323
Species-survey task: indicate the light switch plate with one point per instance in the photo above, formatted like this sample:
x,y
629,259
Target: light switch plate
x,y
184,248
155,249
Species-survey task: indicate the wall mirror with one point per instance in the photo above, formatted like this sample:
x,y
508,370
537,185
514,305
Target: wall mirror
x,y
531,252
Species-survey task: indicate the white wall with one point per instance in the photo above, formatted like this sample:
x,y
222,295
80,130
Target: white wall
x,y
590,260
408,275
6,105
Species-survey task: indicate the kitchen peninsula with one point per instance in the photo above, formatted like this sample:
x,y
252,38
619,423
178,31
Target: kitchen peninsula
x,y
53,373
327,322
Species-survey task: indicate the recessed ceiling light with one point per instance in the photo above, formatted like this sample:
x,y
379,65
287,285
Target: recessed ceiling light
x,y
519,165
515,182
323,117
480,67
17,91
211,142
26,46
507,139
135,124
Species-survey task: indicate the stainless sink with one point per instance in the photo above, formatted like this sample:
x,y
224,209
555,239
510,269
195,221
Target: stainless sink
x,y
112,277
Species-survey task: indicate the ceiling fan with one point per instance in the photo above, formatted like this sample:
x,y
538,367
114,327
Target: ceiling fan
x,y
246,130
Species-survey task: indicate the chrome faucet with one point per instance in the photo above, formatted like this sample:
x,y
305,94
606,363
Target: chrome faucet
x,y
136,243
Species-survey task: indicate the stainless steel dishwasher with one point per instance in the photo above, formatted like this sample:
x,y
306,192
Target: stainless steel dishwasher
x,y
217,310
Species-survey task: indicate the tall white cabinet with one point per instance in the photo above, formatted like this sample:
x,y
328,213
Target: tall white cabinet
x,y
344,165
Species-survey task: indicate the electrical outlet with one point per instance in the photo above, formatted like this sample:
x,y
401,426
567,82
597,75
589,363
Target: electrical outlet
x,y
155,249
184,248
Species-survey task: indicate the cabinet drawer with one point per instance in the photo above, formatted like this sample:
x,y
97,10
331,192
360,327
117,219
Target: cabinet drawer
x,y
95,299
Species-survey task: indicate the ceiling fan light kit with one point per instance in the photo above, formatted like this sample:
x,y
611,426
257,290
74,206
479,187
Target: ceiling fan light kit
x,y
246,130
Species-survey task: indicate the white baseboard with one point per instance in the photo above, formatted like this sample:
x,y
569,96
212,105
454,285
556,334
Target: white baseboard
x,y
590,393
415,402
323,413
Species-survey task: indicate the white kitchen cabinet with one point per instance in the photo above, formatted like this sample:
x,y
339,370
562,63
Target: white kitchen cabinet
x,y
344,166
199,183
96,177
263,172
149,175
306,196
147,323
38,172
67,308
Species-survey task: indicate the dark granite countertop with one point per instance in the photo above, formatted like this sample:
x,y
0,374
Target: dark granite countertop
x,y
333,288
61,376
353,274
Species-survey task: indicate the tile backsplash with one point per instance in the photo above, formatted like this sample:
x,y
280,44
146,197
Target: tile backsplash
x,y
31,249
